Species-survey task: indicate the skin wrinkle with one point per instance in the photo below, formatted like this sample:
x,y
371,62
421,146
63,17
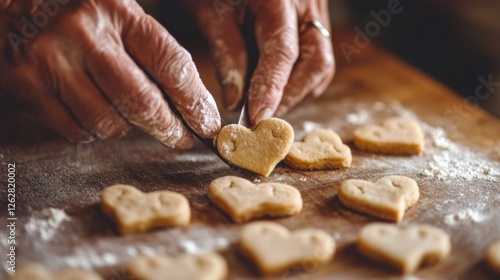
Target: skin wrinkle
x,y
147,109
268,94
278,44
180,70
313,71
183,90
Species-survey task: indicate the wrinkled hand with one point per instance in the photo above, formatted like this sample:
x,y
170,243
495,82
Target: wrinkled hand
x,y
290,66
96,68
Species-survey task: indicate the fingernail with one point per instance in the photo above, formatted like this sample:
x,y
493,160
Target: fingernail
x,y
90,139
264,113
232,96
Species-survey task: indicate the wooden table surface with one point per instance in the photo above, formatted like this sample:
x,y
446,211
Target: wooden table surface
x,y
458,175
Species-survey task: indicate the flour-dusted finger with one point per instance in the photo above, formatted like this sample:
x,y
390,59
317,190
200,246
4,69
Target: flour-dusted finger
x,y
136,97
315,65
278,45
171,66
228,50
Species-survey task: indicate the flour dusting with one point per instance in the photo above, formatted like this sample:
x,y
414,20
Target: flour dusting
x,y
189,246
47,226
195,157
466,215
455,162
310,126
443,159
87,258
360,117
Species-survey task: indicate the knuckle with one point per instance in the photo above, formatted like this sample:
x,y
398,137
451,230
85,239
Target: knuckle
x,y
286,51
267,86
284,45
179,70
274,89
320,66
325,61
268,94
78,26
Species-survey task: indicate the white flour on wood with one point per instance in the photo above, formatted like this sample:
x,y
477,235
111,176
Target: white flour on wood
x,y
451,161
467,215
48,224
443,159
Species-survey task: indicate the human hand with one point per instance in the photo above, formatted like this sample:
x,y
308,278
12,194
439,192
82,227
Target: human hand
x,y
94,69
291,66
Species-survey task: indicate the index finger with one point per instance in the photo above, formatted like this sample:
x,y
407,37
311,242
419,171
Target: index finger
x,y
277,39
174,70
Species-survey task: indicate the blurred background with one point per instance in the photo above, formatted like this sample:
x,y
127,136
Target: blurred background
x,y
455,41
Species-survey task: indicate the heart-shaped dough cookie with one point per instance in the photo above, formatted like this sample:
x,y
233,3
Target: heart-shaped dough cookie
x,y
259,149
243,200
404,248
388,198
192,267
320,149
37,272
274,249
394,136
493,257
135,211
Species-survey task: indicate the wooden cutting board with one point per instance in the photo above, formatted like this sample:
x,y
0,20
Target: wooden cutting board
x,y
458,175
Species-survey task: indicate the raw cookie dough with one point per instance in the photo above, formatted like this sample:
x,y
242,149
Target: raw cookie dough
x,y
37,272
394,136
135,211
274,249
258,150
405,249
388,198
243,200
193,267
320,149
493,257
